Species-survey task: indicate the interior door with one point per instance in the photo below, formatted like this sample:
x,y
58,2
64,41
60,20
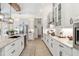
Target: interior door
x,y
35,29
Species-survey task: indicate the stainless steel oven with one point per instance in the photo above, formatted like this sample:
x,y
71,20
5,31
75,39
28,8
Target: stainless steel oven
x,y
76,35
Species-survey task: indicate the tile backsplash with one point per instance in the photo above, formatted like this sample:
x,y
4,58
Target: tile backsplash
x,y
67,31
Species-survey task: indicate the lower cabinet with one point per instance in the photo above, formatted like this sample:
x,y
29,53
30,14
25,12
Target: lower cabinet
x,y
60,49
22,44
64,50
75,52
13,49
57,48
51,46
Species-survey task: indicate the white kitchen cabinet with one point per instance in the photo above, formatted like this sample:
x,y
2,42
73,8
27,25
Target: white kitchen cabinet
x,y
51,46
22,44
47,40
50,43
69,13
63,14
55,48
11,48
66,13
64,50
14,48
60,49
75,52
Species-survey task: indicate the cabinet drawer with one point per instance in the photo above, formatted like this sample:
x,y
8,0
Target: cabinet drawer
x,y
11,45
75,52
67,50
10,52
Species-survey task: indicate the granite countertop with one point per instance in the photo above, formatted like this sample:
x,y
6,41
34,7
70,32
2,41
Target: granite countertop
x,y
6,40
64,41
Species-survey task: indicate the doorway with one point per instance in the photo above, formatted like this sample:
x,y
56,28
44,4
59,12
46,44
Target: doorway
x,y
38,28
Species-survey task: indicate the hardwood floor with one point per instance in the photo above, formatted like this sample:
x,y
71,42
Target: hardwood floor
x,y
36,48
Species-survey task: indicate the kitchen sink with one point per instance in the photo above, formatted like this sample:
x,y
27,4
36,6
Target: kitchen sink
x,y
14,36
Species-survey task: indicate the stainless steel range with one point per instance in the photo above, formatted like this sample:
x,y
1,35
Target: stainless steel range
x,y
76,35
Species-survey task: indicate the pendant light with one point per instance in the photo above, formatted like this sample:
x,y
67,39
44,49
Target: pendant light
x,y
1,14
10,18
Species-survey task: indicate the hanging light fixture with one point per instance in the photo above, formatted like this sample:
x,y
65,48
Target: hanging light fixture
x,y
10,18
1,14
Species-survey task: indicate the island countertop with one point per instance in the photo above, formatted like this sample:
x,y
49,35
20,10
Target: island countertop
x,y
6,40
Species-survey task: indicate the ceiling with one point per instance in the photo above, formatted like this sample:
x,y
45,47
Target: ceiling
x,y
36,9
33,8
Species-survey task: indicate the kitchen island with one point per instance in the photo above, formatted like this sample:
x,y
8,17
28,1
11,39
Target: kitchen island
x,y
11,46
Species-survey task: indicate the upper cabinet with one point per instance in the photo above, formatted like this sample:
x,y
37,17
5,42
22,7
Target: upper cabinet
x,y
62,13
66,12
57,14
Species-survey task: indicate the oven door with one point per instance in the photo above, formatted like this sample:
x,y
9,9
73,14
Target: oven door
x,y
77,36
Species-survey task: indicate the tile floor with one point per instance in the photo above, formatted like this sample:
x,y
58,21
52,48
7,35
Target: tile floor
x,y
36,48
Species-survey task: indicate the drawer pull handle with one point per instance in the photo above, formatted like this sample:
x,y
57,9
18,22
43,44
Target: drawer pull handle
x,y
51,45
13,51
61,46
13,44
60,53
21,43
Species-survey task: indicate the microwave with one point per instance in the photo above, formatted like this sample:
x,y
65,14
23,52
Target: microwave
x,y
76,35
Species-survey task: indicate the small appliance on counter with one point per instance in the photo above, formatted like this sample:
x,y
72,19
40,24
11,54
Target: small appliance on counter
x,y
70,37
52,32
76,35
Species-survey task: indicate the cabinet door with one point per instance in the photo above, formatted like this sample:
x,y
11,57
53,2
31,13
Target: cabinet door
x,y
66,13
62,50
75,52
66,51
55,48
51,46
47,41
18,47
22,43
